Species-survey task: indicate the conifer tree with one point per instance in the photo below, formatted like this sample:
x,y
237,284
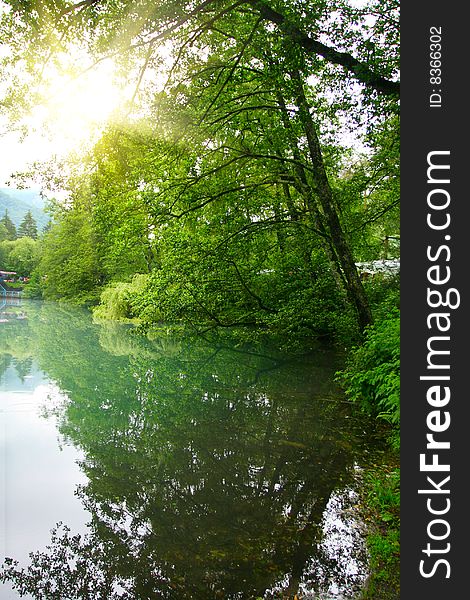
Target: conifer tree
x,y
3,232
10,226
28,227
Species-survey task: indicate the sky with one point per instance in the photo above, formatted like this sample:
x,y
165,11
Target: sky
x,y
73,111
16,155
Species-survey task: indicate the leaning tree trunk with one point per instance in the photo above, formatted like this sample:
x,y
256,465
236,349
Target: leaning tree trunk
x,y
324,193
303,187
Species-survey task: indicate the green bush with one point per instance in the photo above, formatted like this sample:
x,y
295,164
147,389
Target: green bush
x,y
383,293
372,374
117,299
33,288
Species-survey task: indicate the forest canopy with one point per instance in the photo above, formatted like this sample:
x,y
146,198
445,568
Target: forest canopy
x,y
253,159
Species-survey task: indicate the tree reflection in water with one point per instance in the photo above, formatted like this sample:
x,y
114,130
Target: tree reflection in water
x,y
209,468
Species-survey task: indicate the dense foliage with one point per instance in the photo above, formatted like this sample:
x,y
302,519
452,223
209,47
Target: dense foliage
x,y
19,251
255,163
7,228
372,376
230,189
20,256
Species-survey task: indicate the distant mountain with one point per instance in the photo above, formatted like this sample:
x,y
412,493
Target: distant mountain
x,y
18,202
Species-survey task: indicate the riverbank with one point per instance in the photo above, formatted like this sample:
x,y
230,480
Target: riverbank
x,y
379,507
371,380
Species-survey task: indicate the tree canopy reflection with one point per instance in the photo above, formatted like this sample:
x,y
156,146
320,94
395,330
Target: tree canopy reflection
x,y
209,467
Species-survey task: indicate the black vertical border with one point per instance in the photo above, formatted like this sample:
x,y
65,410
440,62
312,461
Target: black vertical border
x,y
425,129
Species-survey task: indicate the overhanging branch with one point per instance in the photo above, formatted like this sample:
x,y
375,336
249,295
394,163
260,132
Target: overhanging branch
x,y
358,69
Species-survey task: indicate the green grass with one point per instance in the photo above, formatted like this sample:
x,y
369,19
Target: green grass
x,y
381,506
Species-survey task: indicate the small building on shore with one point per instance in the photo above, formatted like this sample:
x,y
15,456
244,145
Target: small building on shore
x,y
8,276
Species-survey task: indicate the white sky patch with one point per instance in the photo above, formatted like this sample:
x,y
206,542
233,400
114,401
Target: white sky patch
x,y
76,108
77,104
72,114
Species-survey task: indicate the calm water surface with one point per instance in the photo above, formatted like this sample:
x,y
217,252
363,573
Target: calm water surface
x,y
167,468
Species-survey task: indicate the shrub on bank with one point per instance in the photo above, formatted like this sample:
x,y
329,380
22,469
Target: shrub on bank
x,y
117,299
372,380
372,374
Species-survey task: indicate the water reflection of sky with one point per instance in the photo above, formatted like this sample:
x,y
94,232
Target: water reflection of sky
x,y
39,474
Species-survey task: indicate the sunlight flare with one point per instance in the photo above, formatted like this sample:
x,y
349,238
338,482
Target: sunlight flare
x,y
77,108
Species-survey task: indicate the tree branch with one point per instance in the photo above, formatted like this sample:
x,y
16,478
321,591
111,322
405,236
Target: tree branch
x,y
250,292
78,6
359,70
232,70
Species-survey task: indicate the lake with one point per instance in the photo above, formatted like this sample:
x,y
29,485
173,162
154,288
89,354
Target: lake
x,y
143,467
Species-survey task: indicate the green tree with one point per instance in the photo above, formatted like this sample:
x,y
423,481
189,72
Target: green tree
x,y
69,260
245,136
28,227
21,255
9,226
121,219
3,232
